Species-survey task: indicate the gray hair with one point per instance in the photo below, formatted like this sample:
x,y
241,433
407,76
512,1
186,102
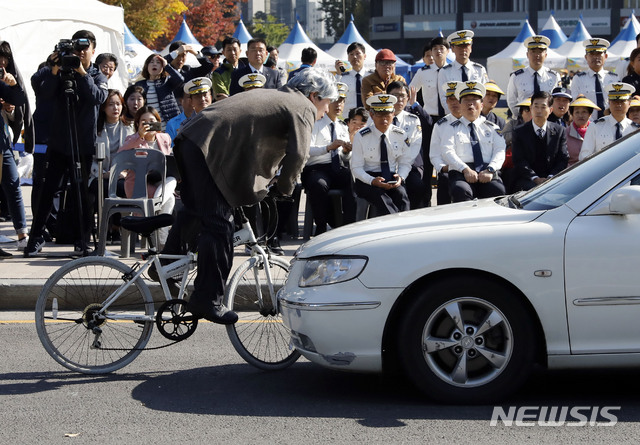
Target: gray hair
x,y
315,80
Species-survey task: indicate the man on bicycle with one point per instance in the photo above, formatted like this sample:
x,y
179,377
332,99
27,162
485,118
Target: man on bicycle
x,y
228,155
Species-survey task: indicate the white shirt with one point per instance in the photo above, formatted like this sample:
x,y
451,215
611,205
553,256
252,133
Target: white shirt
x,y
366,153
602,132
349,78
426,79
544,128
435,150
321,138
456,144
520,85
451,72
410,123
584,82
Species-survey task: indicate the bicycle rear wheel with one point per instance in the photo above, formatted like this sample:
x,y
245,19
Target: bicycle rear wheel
x,y
259,336
69,324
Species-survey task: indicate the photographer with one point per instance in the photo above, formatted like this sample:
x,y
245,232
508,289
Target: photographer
x,y
69,78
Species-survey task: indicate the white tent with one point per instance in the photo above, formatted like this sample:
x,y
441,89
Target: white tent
x,y
513,57
623,44
185,35
573,48
552,30
291,50
351,34
33,28
135,54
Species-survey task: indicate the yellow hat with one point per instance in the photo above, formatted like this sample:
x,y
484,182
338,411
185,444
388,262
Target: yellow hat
x,y
635,102
582,101
619,91
197,85
463,37
596,44
468,88
449,88
537,42
492,86
525,103
342,89
253,80
382,102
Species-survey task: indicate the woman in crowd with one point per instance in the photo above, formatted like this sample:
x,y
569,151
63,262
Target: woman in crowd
x,y
160,81
632,76
580,110
356,120
634,109
17,117
135,98
146,137
112,132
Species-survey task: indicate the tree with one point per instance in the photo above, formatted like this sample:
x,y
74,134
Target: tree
x,y
335,21
267,27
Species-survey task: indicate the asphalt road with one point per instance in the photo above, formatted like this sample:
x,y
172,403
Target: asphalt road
x,y
201,391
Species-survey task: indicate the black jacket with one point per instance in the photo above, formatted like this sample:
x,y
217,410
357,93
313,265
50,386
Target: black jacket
x,y
272,76
527,159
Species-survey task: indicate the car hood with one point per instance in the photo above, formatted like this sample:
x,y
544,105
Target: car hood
x,y
447,217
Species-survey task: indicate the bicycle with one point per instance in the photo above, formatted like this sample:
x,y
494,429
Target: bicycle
x,y
95,315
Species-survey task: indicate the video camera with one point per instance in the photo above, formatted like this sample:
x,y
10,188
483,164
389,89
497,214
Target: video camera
x,y
65,49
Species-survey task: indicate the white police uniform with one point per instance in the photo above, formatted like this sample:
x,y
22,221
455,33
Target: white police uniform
x,y
410,123
435,150
448,73
620,68
521,85
456,144
602,132
365,155
426,79
349,78
584,83
321,137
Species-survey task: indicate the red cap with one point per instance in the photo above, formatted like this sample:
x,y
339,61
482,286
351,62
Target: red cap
x,y
385,54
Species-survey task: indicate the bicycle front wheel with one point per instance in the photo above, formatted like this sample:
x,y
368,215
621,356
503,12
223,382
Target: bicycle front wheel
x,y
71,326
259,336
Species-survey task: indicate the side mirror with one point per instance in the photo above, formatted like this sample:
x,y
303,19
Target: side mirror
x,y
626,200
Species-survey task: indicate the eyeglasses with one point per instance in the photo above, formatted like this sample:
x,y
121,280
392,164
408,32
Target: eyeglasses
x,y
401,96
385,62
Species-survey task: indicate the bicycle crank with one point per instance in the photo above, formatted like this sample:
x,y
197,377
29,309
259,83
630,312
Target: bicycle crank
x,y
174,321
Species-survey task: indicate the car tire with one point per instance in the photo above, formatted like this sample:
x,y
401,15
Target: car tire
x,y
466,340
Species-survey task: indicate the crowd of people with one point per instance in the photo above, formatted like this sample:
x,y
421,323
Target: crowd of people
x,y
375,140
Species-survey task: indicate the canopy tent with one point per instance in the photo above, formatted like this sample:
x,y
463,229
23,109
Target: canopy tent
x,y
552,30
291,50
573,48
514,57
243,35
351,34
185,35
623,44
34,28
135,53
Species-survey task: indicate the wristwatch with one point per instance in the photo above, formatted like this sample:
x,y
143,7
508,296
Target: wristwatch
x,y
491,170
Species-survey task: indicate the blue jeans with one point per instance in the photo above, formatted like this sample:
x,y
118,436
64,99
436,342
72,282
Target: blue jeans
x,y
12,191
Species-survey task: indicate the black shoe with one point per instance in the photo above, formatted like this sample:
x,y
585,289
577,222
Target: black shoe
x,y
215,313
34,246
274,246
4,254
82,248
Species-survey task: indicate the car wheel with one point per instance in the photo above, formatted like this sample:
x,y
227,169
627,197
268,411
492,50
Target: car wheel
x,y
466,340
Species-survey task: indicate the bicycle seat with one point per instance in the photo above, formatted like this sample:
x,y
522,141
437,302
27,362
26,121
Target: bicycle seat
x,y
146,224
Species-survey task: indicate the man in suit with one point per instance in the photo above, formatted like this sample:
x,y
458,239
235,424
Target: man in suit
x,y
539,146
256,55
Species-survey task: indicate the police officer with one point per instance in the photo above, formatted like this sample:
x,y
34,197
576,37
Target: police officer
x,y
473,148
462,69
536,77
591,82
425,80
356,54
381,158
608,129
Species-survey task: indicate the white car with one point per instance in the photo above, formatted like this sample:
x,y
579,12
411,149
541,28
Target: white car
x,y
466,298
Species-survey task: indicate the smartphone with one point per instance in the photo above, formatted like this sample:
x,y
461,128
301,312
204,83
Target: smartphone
x,y
154,126
391,182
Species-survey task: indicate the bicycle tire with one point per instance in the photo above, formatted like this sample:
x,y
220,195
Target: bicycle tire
x,y
63,314
261,340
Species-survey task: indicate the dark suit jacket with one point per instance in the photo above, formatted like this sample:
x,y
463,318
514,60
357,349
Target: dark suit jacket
x,y
525,144
272,76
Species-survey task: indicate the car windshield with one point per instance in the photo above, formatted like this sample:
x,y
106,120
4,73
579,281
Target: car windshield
x,y
572,181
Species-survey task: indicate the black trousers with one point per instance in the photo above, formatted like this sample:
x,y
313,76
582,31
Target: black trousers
x,y
317,180
461,190
418,189
207,217
385,201
443,196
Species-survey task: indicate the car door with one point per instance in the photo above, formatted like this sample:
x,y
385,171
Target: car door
x,y
602,282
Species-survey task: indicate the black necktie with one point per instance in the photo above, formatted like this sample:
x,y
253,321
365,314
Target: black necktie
x,y
358,90
335,159
440,108
618,131
599,96
384,160
536,85
477,151
395,120
540,133
464,73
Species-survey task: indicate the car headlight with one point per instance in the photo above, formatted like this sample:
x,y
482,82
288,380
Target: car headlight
x,y
331,270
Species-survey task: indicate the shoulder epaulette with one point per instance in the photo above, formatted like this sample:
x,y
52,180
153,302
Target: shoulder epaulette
x,y
613,74
426,67
581,73
477,64
633,124
397,130
441,121
446,67
365,130
597,121
554,72
518,72
411,115
490,124
456,123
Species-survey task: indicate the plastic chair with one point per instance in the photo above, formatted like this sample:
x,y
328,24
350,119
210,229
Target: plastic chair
x,y
142,161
